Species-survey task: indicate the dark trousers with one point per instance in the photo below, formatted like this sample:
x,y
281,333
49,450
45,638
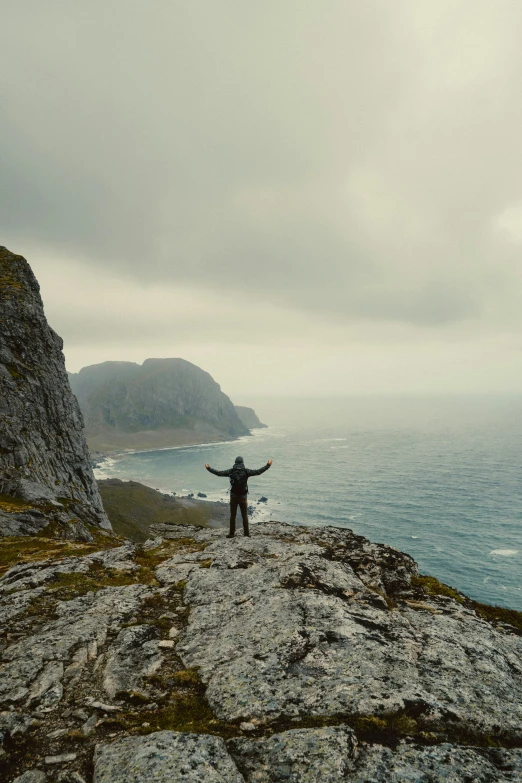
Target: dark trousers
x,y
242,502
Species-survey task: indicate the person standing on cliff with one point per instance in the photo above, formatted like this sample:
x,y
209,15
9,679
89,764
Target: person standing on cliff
x,y
238,476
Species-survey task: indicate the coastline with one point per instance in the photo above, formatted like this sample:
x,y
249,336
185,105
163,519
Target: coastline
x,y
103,456
150,440
191,500
456,525
133,507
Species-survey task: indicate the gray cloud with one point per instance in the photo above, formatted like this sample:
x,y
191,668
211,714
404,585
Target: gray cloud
x,y
351,159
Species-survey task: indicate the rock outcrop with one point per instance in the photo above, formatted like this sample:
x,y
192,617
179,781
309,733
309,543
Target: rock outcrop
x,y
249,417
159,403
298,655
45,471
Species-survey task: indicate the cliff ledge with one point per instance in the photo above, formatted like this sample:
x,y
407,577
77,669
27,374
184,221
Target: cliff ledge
x,y
298,655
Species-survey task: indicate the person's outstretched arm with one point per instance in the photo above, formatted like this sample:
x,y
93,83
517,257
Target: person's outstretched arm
x,y
259,470
218,472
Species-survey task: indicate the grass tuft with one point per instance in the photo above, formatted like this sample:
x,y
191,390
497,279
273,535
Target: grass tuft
x,y
493,614
497,614
15,550
431,586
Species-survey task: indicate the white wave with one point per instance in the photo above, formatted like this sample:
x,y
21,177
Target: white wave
x,y
106,468
504,552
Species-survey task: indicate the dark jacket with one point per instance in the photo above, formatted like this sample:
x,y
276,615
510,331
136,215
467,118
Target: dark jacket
x,y
239,466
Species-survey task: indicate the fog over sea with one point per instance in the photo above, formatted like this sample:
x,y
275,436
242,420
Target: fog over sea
x,y
437,477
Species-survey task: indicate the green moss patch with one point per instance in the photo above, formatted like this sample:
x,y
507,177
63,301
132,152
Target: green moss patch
x,y
10,283
43,608
70,585
390,728
30,549
189,678
185,709
12,505
497,614
14,372
151,558
152,612
431,586
493,614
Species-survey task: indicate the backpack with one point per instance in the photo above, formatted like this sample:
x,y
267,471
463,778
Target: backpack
x,y
238,481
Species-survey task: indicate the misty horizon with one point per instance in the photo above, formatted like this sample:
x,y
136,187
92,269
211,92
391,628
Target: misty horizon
x,y
327,194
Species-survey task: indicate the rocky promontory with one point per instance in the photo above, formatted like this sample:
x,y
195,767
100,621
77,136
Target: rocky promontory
x,y
45,470
299,655
160,403
249,417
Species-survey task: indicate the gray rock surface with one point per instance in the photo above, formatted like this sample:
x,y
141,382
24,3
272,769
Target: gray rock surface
x,y
44,459
164,757
299,625
133,656
65,758
70,777
297,756
293,628
332,755
12,725
37,666
328,755
32,776
440,764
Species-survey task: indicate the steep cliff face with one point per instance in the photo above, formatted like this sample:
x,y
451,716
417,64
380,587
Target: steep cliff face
x,y
249,417
44,459
97,376
153,404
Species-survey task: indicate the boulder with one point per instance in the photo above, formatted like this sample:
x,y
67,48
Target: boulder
x,y
164,757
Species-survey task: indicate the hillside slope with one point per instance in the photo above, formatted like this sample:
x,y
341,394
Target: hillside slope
x,y
159,403
132,508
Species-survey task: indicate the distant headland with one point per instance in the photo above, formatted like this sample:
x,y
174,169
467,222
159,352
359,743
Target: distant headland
x,y
160,403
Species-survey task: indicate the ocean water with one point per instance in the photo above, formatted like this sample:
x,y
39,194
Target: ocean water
x,y
438,478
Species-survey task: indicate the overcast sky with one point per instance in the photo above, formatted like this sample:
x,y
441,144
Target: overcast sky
x,y
301,197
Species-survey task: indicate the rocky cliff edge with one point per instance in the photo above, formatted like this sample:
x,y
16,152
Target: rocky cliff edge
x,y
249,417
45,471
298,655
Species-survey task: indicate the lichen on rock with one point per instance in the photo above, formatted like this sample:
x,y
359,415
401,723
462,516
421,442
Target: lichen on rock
x,y
297,655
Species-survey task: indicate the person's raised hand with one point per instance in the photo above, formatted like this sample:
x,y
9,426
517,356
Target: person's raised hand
x,y
207,465
269,462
